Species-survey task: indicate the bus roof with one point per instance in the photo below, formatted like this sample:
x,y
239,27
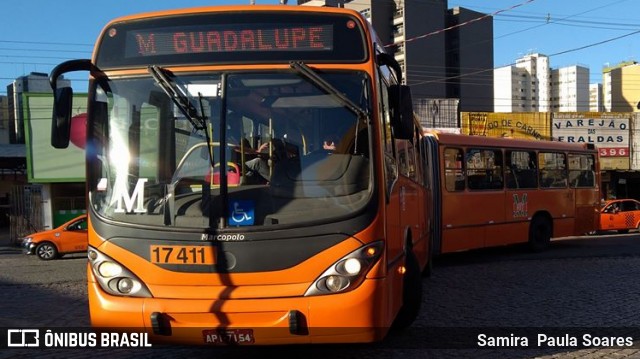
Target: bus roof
x,y
239,34
232,8
505,142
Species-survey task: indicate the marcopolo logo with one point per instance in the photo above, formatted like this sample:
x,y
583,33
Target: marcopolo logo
x,y
222,237
230,237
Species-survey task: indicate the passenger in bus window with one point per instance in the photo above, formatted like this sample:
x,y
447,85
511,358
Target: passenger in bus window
x,y
260,164
267,154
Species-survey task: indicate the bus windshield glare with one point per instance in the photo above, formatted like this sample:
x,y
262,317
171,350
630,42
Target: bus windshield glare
x,y
237,149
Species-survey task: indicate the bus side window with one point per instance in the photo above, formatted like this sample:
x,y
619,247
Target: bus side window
x,y
581,170
453,171
520,170
553,170
484,169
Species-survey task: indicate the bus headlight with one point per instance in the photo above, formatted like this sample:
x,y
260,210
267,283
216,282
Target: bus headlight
x,y
125,285
336,283
109,269
114,278
348,272
352,266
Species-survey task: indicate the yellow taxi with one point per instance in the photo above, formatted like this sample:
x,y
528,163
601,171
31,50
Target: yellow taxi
x,y
71,237
620,215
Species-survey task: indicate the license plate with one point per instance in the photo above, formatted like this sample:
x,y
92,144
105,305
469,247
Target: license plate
x,y
228,336
182,255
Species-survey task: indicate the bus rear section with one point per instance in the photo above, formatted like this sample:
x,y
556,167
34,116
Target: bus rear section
x,y
237,186
493,192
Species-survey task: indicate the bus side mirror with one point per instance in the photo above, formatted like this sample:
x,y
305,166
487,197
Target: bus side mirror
x,y
401,106
61,117
63,101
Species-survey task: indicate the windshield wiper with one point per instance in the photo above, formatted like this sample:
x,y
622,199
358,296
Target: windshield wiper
x,y
307,72
325,86
197,119
178,95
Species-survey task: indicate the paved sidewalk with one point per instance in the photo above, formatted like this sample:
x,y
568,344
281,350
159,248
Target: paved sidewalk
x,y
5,241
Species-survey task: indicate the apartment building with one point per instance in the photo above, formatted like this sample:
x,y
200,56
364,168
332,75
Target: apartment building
x,y
531,85
470,59
4,119
619,87
524,86
536,84
596,103
570,89
510,90
437,64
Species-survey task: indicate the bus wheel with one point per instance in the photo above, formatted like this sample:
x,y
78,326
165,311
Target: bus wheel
x,y
411,293
539,234
46,251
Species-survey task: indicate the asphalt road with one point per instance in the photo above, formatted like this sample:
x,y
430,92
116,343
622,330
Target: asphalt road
x,y
580,286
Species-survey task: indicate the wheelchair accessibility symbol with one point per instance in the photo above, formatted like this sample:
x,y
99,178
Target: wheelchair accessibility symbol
x,y
241,213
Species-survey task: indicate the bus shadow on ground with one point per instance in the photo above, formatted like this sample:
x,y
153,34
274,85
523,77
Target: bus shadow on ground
x,y
601,245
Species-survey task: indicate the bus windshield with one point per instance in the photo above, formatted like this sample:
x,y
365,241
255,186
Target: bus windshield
x,y
236,149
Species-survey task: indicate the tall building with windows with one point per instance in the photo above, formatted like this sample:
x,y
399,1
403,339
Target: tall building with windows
x,y
510,91
531,85
4,119
570,89
524,86
469,59
595,98
620,88
442,52
536,85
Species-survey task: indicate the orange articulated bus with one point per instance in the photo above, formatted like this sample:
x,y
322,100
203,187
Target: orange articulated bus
x,y
497,191
253,176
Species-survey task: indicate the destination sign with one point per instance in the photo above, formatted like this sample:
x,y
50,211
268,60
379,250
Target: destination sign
x,y
222,39
234,37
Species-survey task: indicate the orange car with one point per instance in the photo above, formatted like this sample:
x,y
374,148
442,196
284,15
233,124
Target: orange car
x,y
70,237
620,215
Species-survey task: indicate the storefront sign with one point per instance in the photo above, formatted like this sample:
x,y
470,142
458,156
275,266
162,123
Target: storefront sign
x,y
609,132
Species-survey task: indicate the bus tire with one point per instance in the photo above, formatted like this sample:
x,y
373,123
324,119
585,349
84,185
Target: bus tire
x,y
411,293
539,233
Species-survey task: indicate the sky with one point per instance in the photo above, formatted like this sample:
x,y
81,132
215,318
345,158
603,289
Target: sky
x,y
36,35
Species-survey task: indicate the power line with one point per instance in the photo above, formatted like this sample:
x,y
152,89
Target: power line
x,y
595,44
554,54
561,19
44,43
465,23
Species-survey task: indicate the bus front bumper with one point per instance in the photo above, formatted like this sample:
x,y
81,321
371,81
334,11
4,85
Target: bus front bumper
x,y
357,316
